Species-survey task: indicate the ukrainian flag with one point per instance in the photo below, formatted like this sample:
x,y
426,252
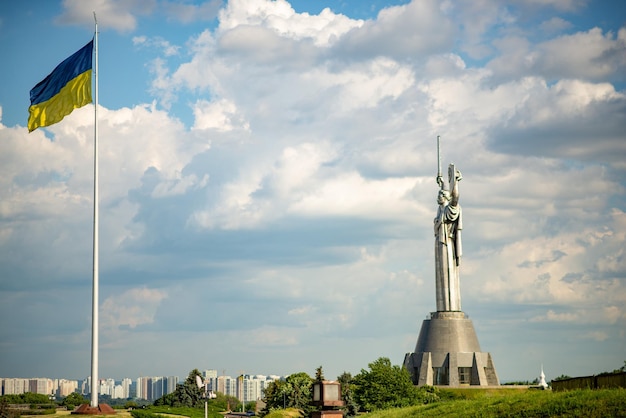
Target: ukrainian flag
x,y
66,88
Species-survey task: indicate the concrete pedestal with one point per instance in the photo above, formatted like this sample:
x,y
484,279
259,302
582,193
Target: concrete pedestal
x,y
447,353
87,409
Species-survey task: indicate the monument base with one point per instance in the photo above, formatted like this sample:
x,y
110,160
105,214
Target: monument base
x,y
87,409
447,353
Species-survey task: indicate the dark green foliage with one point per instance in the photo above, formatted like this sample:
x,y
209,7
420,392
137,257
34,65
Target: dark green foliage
x,y
347,394
275,396
250,406
319,374
72,400
384,386
142,413
186,394
293,392
522,383
130,404
301,386
225,402
428,394
27,398
38,404
166,411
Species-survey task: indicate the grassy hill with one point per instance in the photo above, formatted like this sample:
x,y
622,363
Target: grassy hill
x,y
519,403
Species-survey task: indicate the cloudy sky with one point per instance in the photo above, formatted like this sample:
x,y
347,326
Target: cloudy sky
x,y
267,184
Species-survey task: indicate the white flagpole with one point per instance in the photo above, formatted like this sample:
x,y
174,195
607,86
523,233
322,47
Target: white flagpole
x,y
94,313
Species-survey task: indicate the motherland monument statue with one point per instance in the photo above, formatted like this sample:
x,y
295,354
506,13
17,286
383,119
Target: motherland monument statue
x,y
448,247
447,352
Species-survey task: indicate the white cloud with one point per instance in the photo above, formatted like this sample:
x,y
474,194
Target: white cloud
x,y
279,17
351,195
555,25
590,55
559,270
272,336
132,308
157,42
116,14
402,32
220,115
121,15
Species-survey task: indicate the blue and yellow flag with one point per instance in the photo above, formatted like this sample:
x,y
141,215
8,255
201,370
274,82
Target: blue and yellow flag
x,y
66,88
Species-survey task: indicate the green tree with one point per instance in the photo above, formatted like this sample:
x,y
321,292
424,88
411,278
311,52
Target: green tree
x,y
226,402
251,406
347,394
275,396
384,386
72,400
130,404
186,394
293,392
301,396
29,398
319,374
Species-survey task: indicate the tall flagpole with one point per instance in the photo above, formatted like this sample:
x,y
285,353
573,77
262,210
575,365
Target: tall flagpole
x,y
94,312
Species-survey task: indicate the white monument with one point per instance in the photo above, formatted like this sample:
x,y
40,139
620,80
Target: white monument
x,y
542,380
447,350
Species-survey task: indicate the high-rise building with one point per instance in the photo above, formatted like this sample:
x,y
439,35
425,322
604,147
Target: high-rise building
x,y
158,388
250,388
226,385
14,386
40,385
126,386
142,387
66,387
85,387
171,383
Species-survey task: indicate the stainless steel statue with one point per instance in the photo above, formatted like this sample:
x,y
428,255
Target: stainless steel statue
x,y
447,351
448,249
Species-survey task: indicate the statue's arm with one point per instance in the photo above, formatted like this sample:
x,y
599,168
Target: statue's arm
x,y
454,193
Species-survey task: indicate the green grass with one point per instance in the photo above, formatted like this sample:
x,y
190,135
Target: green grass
x,y
183,411
518,403
285,413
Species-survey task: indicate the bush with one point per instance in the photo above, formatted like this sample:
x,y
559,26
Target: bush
x,y
386,386
142,413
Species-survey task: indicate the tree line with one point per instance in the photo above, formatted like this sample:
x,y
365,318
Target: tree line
x,y
381,386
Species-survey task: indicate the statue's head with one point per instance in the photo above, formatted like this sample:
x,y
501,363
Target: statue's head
x,y
443,196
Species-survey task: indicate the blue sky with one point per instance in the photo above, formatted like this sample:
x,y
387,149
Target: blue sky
x,y
267,184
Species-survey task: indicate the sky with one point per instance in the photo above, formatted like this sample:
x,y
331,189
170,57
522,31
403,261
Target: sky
x,y
267,184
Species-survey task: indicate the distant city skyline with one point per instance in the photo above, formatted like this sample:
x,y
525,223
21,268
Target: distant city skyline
x,y
244,387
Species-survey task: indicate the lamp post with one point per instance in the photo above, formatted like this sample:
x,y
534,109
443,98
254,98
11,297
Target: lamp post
x,y
208,394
